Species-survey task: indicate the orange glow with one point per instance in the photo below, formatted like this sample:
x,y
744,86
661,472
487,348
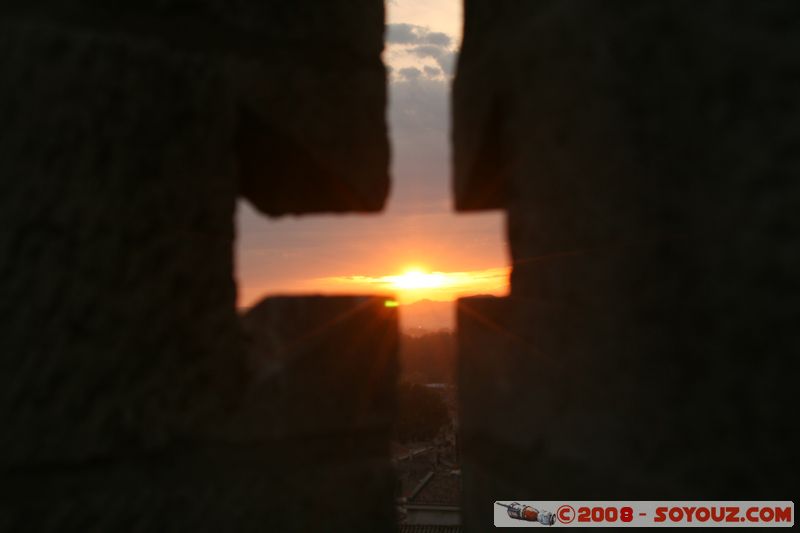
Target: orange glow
x,y
417,279
417,284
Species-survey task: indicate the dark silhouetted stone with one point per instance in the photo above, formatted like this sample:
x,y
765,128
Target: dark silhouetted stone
x,y
648,347
127,401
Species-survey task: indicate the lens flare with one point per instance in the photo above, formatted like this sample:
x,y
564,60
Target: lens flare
x,y
417,279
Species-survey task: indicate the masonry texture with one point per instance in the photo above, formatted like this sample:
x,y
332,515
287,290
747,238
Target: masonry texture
x,y
646,155
128,399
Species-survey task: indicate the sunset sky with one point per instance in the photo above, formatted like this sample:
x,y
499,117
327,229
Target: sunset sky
x,y
418,247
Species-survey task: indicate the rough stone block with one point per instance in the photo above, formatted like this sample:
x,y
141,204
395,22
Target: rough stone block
x,y
116,226
651,225
306,87
297,486
326,365
129,130
126,399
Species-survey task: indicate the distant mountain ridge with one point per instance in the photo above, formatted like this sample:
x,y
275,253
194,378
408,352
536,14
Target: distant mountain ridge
x,y
426,315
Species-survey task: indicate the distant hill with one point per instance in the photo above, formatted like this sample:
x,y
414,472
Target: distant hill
x,y
427,315
428,358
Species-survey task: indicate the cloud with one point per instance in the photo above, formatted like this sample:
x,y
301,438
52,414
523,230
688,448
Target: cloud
x,y
418,115
445,58
410,45
438,38
402,33
432,72
419,107
410,73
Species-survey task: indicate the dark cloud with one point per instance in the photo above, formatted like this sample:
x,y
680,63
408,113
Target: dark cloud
x,y
413,34
437,38
445,58
428,51
432,72
401,34
410,73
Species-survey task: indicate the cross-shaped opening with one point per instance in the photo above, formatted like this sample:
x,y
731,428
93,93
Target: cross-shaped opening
x,y
417,250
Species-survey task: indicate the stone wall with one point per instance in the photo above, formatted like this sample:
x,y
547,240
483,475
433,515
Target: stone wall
x,y
128,401
644,154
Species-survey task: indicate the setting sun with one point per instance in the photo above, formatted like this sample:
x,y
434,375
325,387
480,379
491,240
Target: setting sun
x,y
417,279
417,284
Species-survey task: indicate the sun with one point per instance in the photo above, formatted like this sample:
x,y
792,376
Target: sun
x,y
415,282
417,279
